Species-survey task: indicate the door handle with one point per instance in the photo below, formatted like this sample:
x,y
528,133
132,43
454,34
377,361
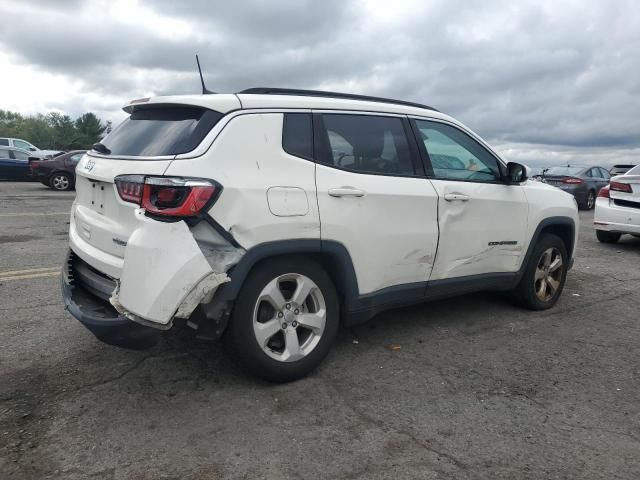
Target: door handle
x,y
346,192
452,197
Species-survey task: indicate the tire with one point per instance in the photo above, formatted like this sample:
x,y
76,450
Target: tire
x,y
61,181
530,292
607,237
269,355
590,201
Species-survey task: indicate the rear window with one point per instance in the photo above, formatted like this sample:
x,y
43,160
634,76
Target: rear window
x,y
564,170
155,131
634,171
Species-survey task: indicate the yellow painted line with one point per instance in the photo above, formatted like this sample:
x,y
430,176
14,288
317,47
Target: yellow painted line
x,y
32,214
11,273
33,275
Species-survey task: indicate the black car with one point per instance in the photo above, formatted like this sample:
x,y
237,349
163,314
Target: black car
x,y
58,172
582,182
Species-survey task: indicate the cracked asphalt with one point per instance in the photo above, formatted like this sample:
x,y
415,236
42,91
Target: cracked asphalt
x,y
479,388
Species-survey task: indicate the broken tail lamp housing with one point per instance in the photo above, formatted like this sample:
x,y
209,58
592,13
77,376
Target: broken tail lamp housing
x,y
168,197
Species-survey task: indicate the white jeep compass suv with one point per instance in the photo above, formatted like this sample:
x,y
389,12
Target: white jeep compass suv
x,y
272,216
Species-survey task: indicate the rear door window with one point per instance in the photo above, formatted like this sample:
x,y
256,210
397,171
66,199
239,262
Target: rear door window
x,y
4,142
367,144
161,130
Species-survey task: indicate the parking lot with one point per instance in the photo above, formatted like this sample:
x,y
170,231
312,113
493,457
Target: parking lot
x,y
472,387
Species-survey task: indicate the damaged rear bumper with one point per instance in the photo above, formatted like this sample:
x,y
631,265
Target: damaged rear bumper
x,y
168,271
86,297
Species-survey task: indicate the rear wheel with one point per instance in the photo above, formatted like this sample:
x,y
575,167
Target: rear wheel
x,y
285,319
544,275
60,181
590,201
607,237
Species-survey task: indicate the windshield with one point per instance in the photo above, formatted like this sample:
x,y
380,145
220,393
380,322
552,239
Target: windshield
x,y
564,171
161,130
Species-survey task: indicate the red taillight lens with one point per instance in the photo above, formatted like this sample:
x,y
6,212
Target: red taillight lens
x,y
573,181
604,192
130,187
167,196
620,187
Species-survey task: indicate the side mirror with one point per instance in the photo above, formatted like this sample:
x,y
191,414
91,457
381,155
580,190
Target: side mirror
x,y
516,173
33,149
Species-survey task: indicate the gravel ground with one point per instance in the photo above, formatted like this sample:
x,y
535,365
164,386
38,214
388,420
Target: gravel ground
x,y
478,389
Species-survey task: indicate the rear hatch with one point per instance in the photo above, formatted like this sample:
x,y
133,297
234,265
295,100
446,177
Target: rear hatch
x,y
144,144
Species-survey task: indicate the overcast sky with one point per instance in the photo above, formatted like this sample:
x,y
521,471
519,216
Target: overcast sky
x,y
544,82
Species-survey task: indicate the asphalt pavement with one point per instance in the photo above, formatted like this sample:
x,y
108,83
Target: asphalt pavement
x,y
472,387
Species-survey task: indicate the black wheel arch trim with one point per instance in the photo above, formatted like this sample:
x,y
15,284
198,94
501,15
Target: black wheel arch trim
x,y
357,308
559,221
323,248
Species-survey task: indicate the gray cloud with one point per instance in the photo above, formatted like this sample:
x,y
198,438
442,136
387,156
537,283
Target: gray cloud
x,y
562,77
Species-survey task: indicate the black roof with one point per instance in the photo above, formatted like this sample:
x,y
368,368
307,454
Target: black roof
x,y
321,93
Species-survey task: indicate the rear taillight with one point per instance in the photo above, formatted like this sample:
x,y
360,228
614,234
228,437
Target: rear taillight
x,y
620,187
604,192
130,187
573,181
167,196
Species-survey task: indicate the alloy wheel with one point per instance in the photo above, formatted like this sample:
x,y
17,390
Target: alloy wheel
x,y
60,182
289,317
548,274
591,200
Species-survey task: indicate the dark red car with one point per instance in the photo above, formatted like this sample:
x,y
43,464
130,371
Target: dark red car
x,y
59,172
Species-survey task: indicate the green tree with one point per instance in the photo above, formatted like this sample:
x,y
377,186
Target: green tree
x,y
91,128
10,123
54,131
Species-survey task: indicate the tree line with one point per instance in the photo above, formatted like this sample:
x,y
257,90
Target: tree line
x,y
54,131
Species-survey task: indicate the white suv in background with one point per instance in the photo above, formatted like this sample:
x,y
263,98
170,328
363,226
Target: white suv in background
x,y
272,216
27,146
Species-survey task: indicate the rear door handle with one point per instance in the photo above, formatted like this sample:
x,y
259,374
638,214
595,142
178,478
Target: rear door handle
x,y
346,192
452,197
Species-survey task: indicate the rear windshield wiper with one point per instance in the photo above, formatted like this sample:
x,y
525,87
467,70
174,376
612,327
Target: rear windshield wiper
x,y
100,148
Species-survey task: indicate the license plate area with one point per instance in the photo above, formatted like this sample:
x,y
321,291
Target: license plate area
x,y
98,196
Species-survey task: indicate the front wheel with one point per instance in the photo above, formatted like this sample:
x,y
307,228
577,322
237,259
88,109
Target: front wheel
x,y
285,319
544,275
607,237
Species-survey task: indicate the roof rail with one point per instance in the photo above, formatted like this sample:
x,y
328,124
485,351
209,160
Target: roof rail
x,y
321,93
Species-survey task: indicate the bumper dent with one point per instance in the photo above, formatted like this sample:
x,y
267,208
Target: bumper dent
x,y
165,273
